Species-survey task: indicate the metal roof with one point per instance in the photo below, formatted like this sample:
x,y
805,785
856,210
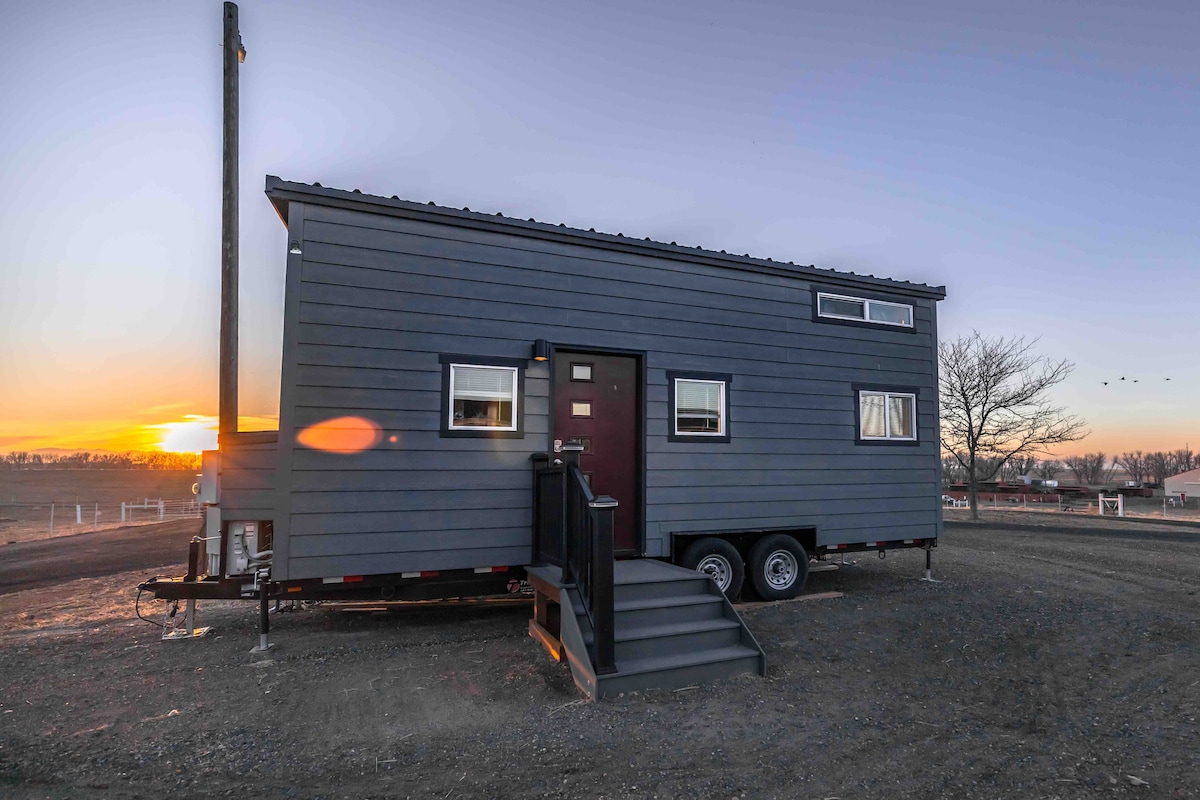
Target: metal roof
x,y
281,193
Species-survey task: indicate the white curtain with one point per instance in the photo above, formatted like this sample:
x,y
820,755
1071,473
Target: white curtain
x,y
900,417
871,413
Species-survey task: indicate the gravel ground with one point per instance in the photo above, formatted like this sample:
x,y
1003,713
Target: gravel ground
x,y
1051,661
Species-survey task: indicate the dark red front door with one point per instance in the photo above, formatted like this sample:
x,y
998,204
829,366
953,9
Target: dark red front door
x,y
596,405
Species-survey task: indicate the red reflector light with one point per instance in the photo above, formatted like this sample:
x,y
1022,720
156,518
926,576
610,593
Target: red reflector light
x,y
427,573
352,578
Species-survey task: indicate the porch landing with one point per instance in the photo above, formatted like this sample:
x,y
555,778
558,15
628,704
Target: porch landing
x,y
673,628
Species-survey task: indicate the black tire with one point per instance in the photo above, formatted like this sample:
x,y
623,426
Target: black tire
x,y
778,567
720,560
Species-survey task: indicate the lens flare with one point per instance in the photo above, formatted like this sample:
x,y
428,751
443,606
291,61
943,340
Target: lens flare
x,y
344,435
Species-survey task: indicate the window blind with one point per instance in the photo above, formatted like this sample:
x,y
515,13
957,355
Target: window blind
x,y
483,383
693,398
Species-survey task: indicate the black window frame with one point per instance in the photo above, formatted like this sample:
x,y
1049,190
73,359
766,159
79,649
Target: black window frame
x,y
699,438
444,429
856,394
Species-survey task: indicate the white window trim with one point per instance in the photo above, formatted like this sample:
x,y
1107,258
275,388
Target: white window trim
x,y
887,418
450,400
867,303
724,411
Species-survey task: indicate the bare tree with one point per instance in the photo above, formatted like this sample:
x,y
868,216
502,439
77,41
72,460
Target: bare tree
x,y
994,404
1008,471
1134,463
1107,472
952,471
1019,466
1048,468
1185,459
1087,468
18,459
1158,466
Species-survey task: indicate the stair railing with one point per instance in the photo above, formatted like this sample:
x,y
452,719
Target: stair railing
x,y
586,525
549,509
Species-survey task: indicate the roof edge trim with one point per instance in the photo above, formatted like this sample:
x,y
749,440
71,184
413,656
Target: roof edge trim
x,y
281,193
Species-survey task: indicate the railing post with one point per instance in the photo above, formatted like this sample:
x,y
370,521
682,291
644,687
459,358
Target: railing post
x,y
538,461
604,508
570,454
571,514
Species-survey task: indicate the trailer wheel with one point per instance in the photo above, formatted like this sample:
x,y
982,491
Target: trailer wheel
x,y
718,559
778,567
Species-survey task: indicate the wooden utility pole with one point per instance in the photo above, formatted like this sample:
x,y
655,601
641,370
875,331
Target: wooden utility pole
x,y
228,394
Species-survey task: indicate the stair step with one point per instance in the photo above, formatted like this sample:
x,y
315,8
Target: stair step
x,y
660,640
679,669
662,610
639,666
673,586
663,631
672,629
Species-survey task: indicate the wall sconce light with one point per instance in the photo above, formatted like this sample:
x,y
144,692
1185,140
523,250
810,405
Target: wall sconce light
x,y
294,248
541,350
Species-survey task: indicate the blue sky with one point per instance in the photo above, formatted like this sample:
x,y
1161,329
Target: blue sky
x,y
1038,159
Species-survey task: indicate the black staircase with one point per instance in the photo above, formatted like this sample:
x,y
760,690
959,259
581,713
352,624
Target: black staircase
x,y
628,625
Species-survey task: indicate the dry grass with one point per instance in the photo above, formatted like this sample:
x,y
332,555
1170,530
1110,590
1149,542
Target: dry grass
x,y
26,497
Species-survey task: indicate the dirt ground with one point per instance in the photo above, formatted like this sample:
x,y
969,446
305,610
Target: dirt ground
x,y
1052,661
49,562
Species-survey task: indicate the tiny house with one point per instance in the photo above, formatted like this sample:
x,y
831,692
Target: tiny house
x,y
447,373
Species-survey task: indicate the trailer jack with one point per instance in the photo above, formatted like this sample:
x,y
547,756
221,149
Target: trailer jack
x,y
264,618
929,566
172,632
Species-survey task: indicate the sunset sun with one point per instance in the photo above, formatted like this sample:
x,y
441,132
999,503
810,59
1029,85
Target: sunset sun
x,y
191,435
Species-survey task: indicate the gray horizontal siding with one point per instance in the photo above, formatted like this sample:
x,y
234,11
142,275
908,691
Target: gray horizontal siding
x,y
248,480
393,560
412,541
374,300
389,522
352,501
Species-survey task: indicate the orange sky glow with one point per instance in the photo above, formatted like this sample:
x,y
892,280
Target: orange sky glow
x,y
189,433
159,430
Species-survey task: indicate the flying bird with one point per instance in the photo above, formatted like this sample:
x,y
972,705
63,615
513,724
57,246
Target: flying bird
x,y
1106,382
1122,377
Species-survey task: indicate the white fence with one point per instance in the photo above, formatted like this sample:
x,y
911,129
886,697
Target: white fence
x,y
25,521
